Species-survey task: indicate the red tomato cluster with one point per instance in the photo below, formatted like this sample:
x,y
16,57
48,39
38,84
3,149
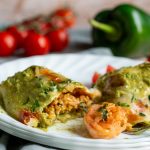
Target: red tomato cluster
x,y
38,36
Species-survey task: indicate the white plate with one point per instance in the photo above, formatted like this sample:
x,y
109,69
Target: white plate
x,y
79,67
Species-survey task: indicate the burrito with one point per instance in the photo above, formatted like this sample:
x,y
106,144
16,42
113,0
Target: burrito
x,y
129,87
40,97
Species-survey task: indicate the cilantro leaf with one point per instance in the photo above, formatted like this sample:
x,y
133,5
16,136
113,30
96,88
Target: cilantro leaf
x,y
104,112
35,105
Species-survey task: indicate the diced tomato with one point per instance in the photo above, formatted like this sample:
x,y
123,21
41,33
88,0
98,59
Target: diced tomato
x,y
95,77
110,68
28,118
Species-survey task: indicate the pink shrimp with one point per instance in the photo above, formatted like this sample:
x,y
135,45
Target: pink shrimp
x,y
106,120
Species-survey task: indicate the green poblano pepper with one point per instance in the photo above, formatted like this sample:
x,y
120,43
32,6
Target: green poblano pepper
x,y
125,29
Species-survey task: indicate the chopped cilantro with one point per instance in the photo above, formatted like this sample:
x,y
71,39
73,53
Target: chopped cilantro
x,y
130,76
83,107
60,88
123,104
52,83
35,105
104,112
66,81
132,98
46,91
62,84
53,86
141,114
127,75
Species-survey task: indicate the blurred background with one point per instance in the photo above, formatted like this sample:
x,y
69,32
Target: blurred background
x,y
12,11
71,26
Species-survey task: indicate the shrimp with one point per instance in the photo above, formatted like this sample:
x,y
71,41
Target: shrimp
x,y
106,120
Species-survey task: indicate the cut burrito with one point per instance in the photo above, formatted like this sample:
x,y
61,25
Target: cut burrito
x,y
129,87
40,97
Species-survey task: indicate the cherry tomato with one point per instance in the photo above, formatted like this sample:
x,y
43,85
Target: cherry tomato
x,y
58,39
57,22
41,27
36,44
67,16
95,77
19,33
110,68
7,44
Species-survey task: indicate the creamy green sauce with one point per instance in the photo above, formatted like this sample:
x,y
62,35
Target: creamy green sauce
x,y
126,85
32,91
